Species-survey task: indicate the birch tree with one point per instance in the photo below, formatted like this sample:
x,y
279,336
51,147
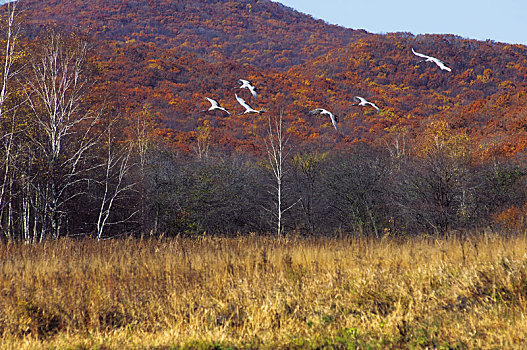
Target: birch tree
x,y
276,144
56,88
11,63
117,166
142,126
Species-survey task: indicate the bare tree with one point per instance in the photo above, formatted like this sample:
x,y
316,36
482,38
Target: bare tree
x,y
55,88
10,28
277,152
143,124
117,166
307,170
355,188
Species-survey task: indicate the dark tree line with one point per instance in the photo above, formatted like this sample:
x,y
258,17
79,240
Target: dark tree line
x,y
362,191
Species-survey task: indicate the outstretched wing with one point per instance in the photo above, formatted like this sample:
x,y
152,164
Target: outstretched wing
x,y
420,54
212,102
316,111
360,99
375,106
334,120
243,82
214,105
241,101
247,85
442,65
253,91
244,104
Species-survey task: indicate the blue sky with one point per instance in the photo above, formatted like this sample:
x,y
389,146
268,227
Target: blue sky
x,y
499,20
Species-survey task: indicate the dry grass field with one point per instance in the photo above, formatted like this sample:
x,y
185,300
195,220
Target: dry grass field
x,y
256,292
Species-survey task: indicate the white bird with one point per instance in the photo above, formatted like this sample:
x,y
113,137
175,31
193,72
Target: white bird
x,y
363,102
439,63
247,85
214,105
248,109
334,118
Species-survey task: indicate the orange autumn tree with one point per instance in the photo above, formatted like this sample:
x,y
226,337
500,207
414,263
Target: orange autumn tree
x,y
440,138
512,218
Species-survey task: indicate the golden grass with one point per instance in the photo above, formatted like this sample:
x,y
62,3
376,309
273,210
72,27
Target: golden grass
x,y
256,292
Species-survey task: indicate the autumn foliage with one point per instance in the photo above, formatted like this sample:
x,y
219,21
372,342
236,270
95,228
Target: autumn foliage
x,y
171,54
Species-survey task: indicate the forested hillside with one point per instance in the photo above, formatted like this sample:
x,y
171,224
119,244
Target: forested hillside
x,y
171,54
261,33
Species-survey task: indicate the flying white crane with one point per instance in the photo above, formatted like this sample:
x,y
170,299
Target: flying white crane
x,y
334,118
247,85
214,105
363,102
248,109
439,63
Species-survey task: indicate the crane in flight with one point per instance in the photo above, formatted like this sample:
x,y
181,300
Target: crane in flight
x,y
363,102
248,109
214,105
334,118
439,63
247,85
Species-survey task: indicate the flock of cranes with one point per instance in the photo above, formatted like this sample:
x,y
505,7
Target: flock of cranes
x,y
360,101
248,109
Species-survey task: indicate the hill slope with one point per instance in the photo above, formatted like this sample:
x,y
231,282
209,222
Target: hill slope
x,y
170,55
262,33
